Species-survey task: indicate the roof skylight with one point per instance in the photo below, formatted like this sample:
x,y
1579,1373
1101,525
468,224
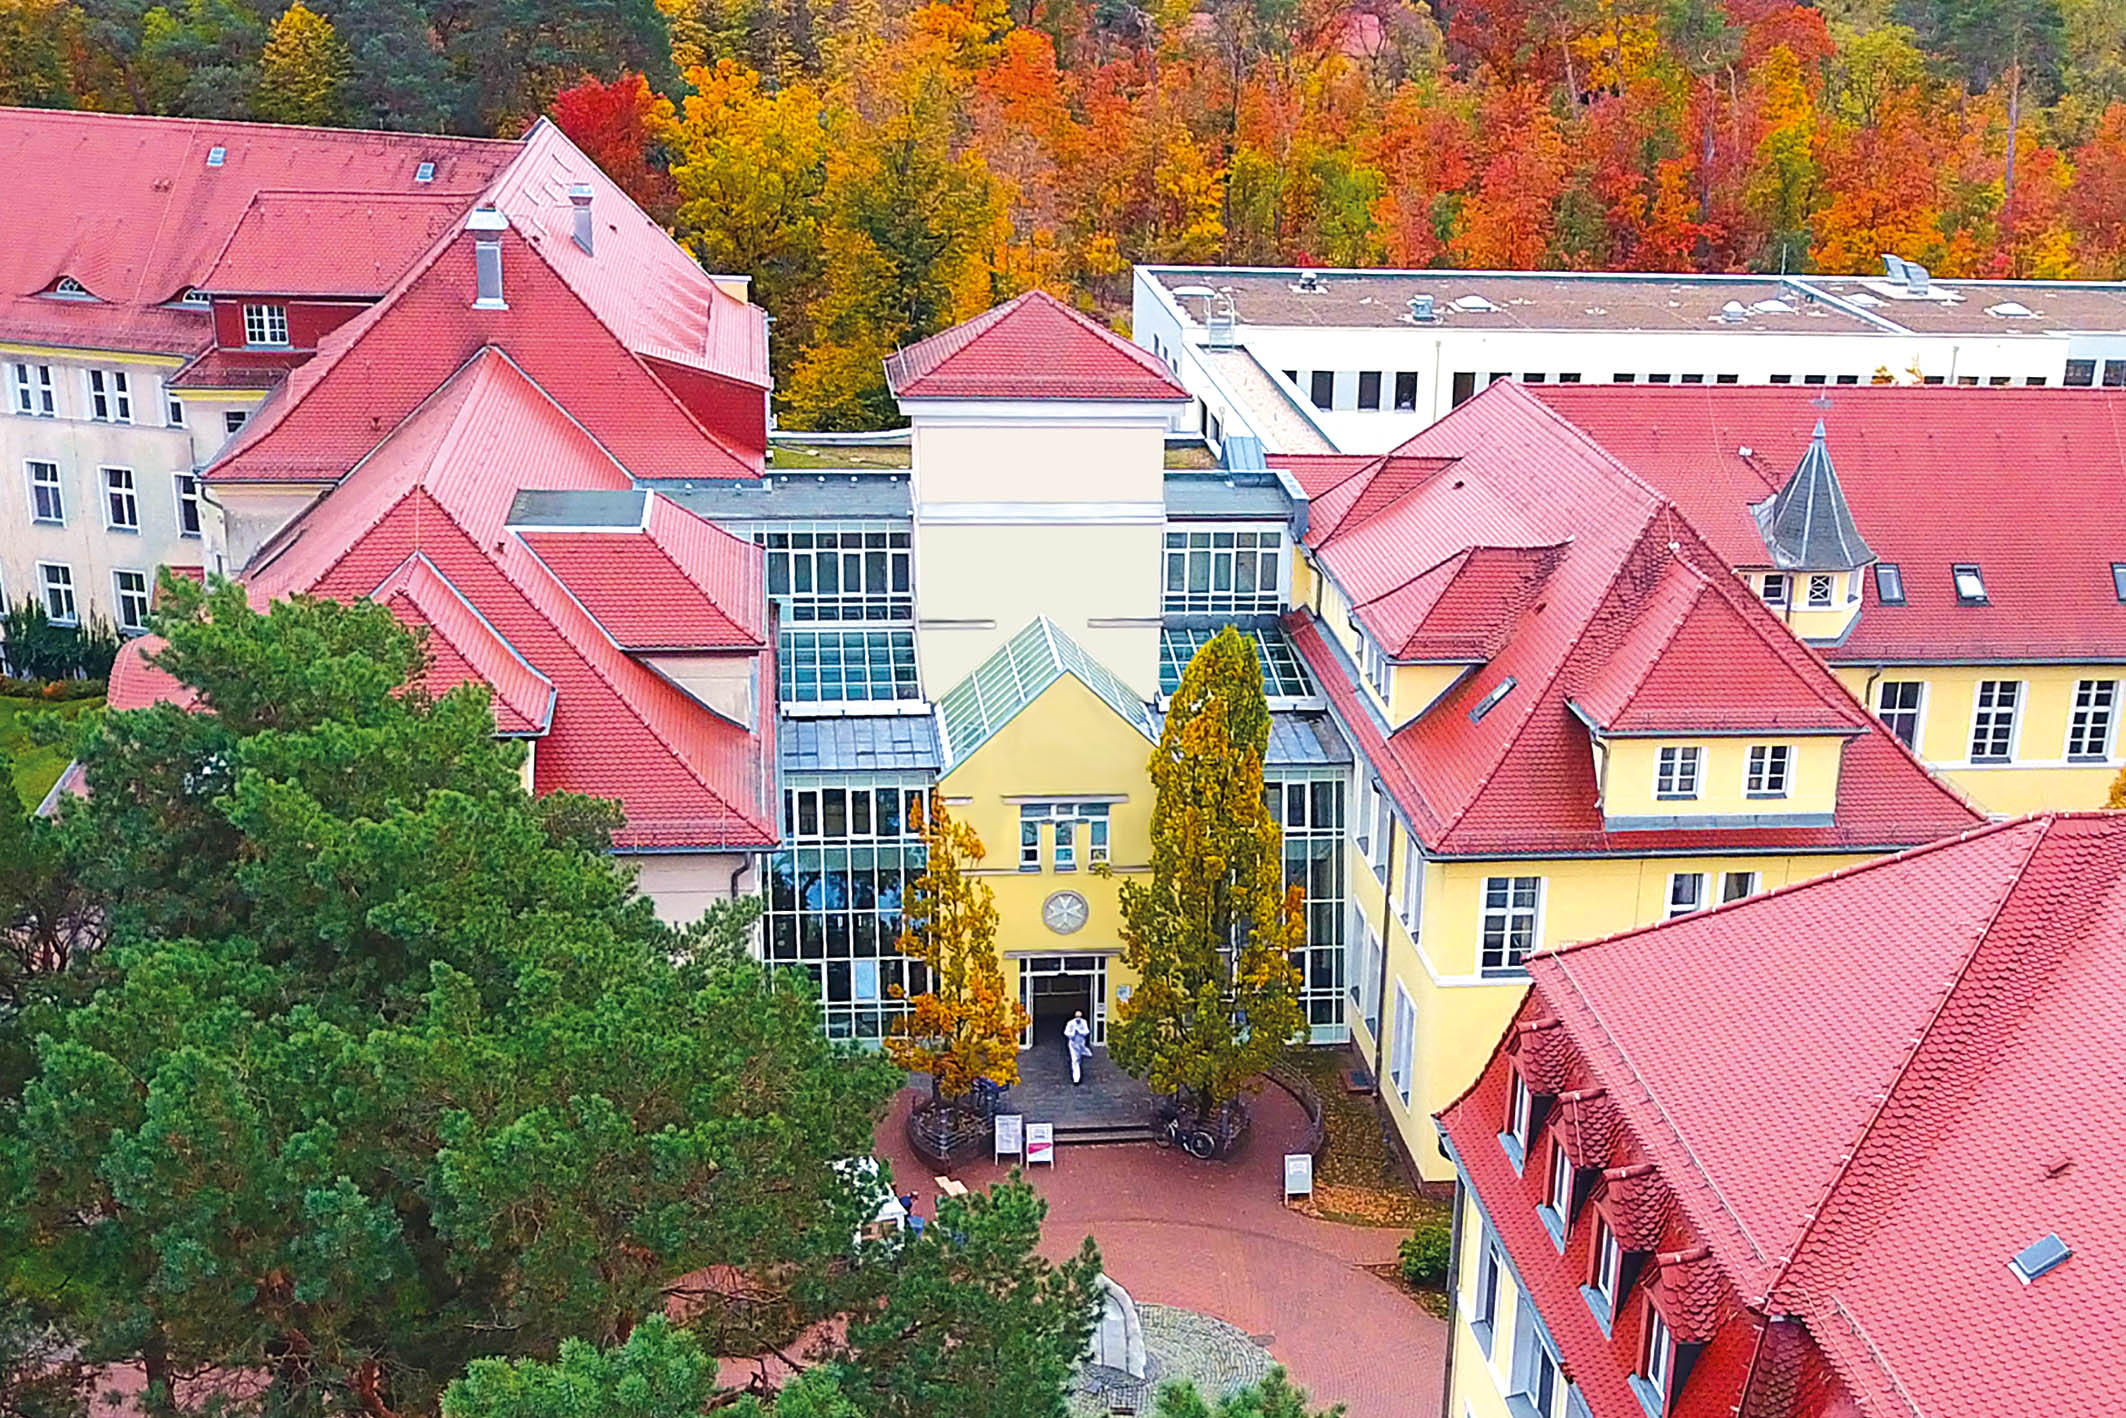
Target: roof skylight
x,y
426,172
1970,586
2011,310
1491,701
2118,579
1889,583
1473,302
217,155
2038,1257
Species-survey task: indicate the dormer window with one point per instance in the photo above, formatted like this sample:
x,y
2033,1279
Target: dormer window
x,y
1970,586
67,288
1657,1362
1778,589
1770,770
1676,772
426,172
1557,1195
1608,1268
196,299
1890,584
1520,1112
1820,588
266,325
1374,663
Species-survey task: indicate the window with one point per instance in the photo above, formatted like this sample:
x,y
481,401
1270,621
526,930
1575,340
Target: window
x,y
1998,379
1778,588
173,410
1782,379
1374,663
1812,379
121,508
2081,373
1820,587
1735,885
1993,720
1406,392
1486,1313
1283,676
70,288
1413,892
1520,1110
1657,378
1464,387
1065,821
196,299
1224,572
1693,379
2089,728
1608,1267
847,666
1369,389
58,584
1727,379
265,324
834,890
1321,388
187,504
1970,586
1897,704
1676,773
1686,893
827,573
33,396
1889,583
110,398
1533,378
1770,768
1658,1361
2034,381
1568,378
2115,374
132,589
425,172
1490,701
1309,806
233,419
1558,1194
1373,824
217,155
46,504
1623,378
2118,579
1855,379
1508,923
1400,1044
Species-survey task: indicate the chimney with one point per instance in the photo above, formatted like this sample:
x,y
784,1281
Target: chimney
x,y
579,196
487,224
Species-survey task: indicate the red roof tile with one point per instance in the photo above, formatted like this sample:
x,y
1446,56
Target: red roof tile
x,y
146,217
1465,608
463,645
676,583
2047,465
330,243
1521,780
1030,347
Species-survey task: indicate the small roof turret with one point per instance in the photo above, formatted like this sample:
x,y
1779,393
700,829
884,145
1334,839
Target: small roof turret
x,y
1806,525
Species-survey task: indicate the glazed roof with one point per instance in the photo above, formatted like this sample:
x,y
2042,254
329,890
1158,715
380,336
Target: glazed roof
x,y
2029,485
1030,347
1023,667
1503,470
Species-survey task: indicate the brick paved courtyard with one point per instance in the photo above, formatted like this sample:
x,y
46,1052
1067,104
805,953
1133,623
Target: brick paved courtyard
x,y
1216,1237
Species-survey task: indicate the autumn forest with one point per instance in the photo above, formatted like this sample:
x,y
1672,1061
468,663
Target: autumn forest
x,y
882,168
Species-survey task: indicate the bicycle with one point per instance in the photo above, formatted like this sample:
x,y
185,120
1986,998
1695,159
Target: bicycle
x,y
1197,1141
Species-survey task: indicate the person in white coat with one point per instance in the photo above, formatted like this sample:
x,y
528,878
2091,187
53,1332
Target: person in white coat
x,y
1077,1037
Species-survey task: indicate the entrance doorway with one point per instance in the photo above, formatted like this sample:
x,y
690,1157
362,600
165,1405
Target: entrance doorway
x,y
1054,987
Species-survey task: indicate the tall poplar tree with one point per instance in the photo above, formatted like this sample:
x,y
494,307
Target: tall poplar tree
x,y
1211,933
303,73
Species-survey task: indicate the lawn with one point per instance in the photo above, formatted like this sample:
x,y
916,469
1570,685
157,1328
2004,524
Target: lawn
x,y
803,457
36,767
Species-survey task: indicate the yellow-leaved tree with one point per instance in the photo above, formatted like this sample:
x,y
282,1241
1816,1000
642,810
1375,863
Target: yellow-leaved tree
x,y
1212,930
963,1028
302,76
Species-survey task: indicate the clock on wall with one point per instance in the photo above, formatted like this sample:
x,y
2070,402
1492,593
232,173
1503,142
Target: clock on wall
x,y
1064,912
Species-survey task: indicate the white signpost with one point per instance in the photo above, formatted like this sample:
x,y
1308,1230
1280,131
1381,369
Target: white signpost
x,y
1011,1130
1041,1143
1298,1174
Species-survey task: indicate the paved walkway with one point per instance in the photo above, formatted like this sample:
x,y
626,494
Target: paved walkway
x,y
1216,1237
1107,1097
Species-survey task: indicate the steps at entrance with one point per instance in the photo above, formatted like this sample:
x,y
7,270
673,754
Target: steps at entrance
x,y
1069,1133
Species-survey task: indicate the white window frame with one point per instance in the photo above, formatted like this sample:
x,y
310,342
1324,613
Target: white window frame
x,y
1520,1110
1505,918
34,394
2091,726
1986,711
1785,594
173,408
1257,554
1608,1253
1768,772
1374,663
1064,820
121,597
1363,987
63,586
119,496
266,327
184,489
1681,903
1918,711
1413,893
56,487
1657,1357
1752,883
1829,585
110,395
1401,1043
1557,1187
1678,771
233,421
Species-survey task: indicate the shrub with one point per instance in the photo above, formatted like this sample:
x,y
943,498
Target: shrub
x,y
32,647
1424,1253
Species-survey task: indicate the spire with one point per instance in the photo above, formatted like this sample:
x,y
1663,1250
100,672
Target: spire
x,y
1806,525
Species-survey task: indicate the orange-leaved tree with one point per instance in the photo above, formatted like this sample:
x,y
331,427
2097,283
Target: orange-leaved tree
x,y
963,1028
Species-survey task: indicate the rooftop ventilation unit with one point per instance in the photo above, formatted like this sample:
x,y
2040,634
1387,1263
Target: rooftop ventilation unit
x,y
2038,1257
1734,313
1774,306
1473,302
2011,310
579,197
1893,266
1221,324
1424,310
1309,281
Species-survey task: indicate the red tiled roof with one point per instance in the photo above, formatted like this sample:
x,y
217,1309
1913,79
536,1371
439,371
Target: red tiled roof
x,y
136,684
2028,484
1030,347
145,216
675,583
1685,639
238,369
1521,781
685,775
330,243
1465,608
463,646
1866,1093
